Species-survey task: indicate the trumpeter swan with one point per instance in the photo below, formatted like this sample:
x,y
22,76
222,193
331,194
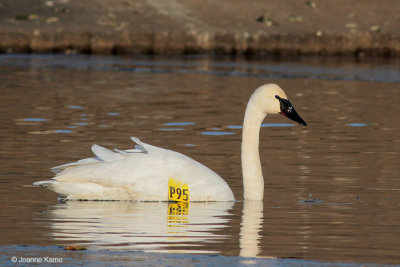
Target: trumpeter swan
x,y
149,173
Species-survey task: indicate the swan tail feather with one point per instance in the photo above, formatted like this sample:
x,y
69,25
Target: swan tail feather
x,y
47,184
62,189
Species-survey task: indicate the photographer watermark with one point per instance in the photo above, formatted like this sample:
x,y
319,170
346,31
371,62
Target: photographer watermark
x,y
15,259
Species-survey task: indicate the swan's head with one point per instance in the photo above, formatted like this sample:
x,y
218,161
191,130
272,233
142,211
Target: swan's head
x,y
273,100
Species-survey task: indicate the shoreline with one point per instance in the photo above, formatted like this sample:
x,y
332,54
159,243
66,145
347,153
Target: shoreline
x,y
262,45
250,28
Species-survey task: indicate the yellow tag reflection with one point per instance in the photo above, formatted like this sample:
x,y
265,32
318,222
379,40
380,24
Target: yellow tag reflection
x,y
178,209
177,219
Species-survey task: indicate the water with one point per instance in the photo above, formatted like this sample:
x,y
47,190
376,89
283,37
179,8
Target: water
x,y
331,188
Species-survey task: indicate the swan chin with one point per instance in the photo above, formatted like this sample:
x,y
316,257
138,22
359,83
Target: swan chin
x,y
149,173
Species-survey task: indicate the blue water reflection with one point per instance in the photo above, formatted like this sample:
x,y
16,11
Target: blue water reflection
x,y
171,129
178,123
75,107
63,131
264,125
357,124
217,133
35,119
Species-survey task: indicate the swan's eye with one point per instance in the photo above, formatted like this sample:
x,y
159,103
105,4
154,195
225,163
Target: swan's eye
x,y
286,106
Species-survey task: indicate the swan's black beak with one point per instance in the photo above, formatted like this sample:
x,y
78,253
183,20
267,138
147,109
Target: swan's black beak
x,y
288,110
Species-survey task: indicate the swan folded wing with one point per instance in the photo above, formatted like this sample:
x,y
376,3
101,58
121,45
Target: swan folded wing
x,y
109,168
86,161
105,154
129,178
102,155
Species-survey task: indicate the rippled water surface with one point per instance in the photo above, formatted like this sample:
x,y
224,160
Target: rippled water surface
x,y
332,189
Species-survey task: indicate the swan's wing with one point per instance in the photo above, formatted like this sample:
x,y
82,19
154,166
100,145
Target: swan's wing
x,y
86,161
105,154
102,155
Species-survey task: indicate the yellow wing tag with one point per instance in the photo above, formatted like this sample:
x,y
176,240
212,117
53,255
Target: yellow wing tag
x,y
177,191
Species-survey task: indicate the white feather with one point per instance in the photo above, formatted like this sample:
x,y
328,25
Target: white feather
x,y
105,154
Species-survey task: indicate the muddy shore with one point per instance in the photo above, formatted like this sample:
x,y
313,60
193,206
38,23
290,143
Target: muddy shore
x,y
176,27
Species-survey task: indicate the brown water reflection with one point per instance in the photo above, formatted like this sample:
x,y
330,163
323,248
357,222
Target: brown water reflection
x,y
331,193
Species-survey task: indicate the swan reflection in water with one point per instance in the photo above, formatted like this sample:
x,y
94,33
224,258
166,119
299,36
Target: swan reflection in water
x,y
156,226
149,226
252,221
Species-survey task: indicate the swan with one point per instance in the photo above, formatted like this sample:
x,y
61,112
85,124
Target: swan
x,y
150,173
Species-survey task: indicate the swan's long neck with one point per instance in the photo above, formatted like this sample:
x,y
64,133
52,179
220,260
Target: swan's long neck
x,y
253,181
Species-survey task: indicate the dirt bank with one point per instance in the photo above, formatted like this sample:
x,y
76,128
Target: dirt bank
x,y
253,27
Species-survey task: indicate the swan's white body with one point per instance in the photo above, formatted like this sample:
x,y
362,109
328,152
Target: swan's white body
x,y
140,174
143,173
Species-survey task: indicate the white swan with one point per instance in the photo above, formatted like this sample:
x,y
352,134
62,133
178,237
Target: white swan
x,y
149,173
